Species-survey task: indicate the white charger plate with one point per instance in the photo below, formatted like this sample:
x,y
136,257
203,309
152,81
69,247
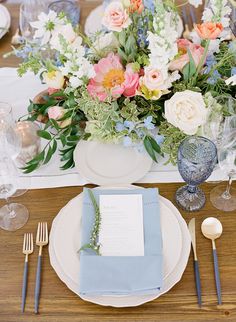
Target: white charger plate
x,y
5,20
65,241
110,164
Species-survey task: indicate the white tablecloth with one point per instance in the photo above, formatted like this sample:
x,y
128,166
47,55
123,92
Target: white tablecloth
x,y
17,91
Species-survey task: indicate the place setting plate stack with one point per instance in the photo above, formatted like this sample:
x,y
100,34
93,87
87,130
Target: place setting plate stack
x,y
66,239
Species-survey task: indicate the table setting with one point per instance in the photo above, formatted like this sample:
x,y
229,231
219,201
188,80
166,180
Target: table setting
x,y
118,160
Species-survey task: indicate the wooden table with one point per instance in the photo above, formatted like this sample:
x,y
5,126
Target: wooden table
x,y
59,304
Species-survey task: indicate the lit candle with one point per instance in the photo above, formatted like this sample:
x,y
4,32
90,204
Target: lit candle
x,y
30,141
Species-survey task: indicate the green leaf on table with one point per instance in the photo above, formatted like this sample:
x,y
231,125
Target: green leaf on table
x,y
44,134
48,155
69,164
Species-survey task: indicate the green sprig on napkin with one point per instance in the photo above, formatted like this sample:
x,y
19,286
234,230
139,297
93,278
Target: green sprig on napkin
x,y
96,227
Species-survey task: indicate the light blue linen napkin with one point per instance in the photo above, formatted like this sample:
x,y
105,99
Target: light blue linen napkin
x,y
123,275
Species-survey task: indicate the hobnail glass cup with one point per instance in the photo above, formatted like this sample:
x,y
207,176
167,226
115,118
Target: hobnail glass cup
x,y
197,157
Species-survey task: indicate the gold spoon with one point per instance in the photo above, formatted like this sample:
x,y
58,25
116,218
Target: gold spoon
x,y
212,229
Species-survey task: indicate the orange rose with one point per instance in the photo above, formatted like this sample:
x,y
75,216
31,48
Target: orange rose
x,y
209,30
136,6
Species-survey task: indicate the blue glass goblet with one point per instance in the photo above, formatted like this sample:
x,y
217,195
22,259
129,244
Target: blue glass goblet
x,y
197,157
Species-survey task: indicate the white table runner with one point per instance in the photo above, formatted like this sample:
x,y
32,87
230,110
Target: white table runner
x,y
17,92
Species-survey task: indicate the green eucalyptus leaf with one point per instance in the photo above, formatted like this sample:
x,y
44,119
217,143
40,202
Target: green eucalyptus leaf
x,y
68,164
48,155
30,168
44,134
54,124
63,139
155,146
149,148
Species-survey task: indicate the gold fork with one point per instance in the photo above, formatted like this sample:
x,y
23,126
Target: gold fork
x,y
28,248
41,240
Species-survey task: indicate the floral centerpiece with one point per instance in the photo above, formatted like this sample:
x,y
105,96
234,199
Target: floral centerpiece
x,y
137,82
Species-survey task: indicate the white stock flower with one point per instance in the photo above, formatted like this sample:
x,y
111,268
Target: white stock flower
x,y
186,110
195,3
231,80
218,11
162,43
45,25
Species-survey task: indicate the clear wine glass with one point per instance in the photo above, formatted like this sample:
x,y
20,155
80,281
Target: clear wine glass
x,y
223,196
217,125
29,12
197,157
13,215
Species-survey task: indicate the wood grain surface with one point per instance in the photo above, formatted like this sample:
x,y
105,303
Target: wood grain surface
x,y
59,304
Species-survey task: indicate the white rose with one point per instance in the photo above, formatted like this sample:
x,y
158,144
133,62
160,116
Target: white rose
x,y
186,110
66,31
54,79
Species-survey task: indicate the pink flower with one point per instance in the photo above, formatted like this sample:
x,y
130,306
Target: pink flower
x,y
112,79
183,57
131,82
116,17
56,112
109,78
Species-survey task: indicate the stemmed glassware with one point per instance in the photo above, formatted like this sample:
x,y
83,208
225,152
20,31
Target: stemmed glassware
x,y
197,157
29,12
217,126
224,197
13,215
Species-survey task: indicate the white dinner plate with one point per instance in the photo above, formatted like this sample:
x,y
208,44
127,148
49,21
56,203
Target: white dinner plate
x,y
110,164
93,23
5,20
65,242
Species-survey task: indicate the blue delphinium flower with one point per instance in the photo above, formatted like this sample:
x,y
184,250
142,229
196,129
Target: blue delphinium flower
x,y
119,127
24,51
127,141
159,139
214,78
148,123
210,62
233,71
140,133
129,125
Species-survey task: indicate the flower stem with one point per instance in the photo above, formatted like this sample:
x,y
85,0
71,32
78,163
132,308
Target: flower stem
x,y
202,61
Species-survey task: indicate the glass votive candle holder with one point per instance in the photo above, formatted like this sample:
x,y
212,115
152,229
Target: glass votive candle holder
x,y
30,141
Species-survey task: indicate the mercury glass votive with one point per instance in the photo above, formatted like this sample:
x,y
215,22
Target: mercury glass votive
x,y
31,142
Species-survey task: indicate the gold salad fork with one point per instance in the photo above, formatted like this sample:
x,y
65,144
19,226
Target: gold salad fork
x,y
28,248
41,240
